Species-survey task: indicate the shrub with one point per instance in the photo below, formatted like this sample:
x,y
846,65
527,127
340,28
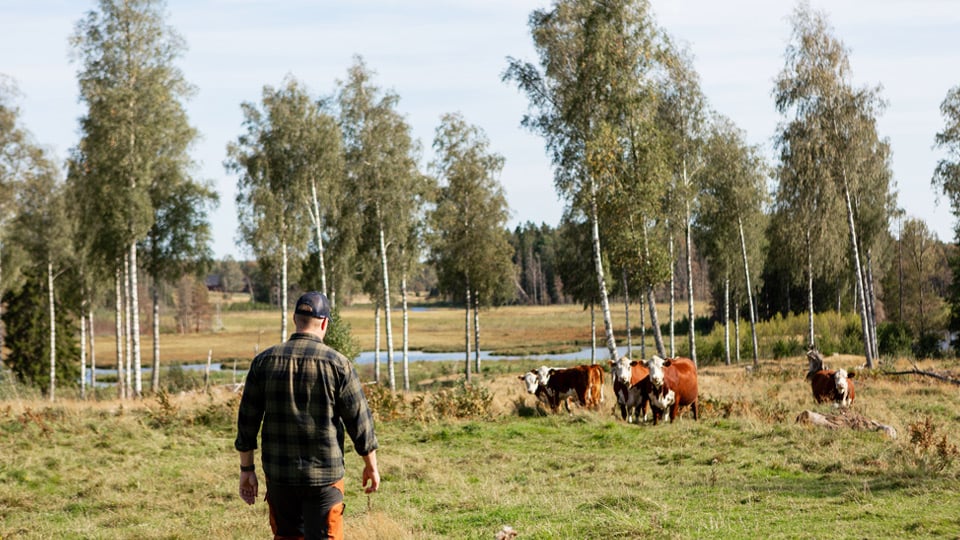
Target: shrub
x,y
783,348
894,339
931,450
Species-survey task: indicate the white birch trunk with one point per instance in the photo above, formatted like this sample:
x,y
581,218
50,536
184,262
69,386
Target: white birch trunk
x,y
672,315
376,349
593,334
476,332
652,303
391,368
406,332
736,329
283,289
726,319
83,352
135,322
51,306
466,330
93,354
812,336
127,343
317,222
155,375
690,309
598,266
746,272
858,269
626,314
643,330
118,319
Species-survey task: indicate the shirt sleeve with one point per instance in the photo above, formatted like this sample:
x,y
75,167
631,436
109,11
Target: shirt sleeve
x,y
250,415
355,414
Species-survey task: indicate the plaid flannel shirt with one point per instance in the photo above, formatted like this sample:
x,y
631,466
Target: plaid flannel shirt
x,y
305,394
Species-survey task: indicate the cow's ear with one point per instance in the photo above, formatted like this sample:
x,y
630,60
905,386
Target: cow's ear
x,y
666,362
851,375
520,377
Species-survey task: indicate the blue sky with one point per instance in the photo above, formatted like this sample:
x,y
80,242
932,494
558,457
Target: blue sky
x,y
448,56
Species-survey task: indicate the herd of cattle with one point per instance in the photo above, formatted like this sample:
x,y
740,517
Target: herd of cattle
x,y
666,385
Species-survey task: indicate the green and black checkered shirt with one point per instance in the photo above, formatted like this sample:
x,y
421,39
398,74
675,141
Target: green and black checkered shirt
x,y
305,394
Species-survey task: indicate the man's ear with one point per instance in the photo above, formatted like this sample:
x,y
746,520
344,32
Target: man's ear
x,y
324,322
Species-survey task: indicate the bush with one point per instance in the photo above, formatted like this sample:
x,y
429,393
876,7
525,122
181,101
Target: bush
x,y
894,339
784,348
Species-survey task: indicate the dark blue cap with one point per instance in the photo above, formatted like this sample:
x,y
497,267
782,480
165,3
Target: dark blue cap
x,y
314,304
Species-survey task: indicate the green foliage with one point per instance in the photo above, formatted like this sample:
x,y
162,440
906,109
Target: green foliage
x,y
339,337
463,401
783,348
894,339
27,323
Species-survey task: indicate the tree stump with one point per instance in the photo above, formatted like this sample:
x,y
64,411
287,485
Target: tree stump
x,y
848,420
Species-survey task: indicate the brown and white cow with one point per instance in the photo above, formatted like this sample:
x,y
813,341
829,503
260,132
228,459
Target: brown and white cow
x,y
553,385
629,375
673,384
829,385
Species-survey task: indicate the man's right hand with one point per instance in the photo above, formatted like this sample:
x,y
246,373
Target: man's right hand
x,y
249,486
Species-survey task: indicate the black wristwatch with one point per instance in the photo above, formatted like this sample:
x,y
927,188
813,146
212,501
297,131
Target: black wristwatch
x,y
248,468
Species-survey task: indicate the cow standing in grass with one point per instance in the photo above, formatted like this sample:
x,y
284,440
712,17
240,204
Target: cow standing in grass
x,y
553,385
829,385
631,381
673,384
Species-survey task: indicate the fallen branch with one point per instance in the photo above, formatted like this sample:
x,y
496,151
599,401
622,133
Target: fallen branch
x,y
935,375
849,420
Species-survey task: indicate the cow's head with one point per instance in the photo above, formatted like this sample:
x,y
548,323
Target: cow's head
x,y
656,364
531,381
620,369
840,382
543,374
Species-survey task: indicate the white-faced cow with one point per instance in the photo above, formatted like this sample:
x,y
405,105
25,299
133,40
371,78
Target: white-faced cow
x,y
585,383
627,375
673,384
829,385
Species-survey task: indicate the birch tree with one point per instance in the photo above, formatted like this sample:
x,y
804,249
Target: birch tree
x,y
381,165
946,178
133,128
835,124
595,64
730,218
469,240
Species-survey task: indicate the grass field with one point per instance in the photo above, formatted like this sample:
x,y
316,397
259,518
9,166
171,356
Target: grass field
x,y
462,461
164,468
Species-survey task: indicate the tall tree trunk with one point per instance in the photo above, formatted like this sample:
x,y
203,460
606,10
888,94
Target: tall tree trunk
x,y
83,350
655,322
476,331
376,331
598,266
593,334
626,313
52,307
127,343
811,338
93,352
652,303
858,269
391,369
118,319
746,273
317,224
673,299
3,330
406,331
643,330
466,329
726,318
155,375
872,306
690,310
283,289
135,321
736,329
